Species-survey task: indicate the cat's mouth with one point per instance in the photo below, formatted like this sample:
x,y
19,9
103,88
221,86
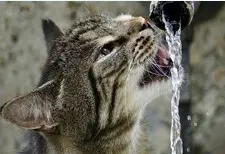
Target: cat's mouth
x,y
158,69
163,63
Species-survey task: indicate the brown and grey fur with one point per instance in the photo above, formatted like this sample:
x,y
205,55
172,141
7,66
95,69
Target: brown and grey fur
x,y
93,89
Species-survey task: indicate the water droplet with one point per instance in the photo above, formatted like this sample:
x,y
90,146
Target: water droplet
x,y
188,149
189,117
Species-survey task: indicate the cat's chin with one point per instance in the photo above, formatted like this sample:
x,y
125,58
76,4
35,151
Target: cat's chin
x,y
158,70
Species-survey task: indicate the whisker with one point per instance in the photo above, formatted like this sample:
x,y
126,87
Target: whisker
x,y
146,69
150,72
152,61
160,33
159,68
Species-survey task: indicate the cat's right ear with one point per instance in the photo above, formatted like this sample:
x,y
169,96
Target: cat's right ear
x,y
51,32
32,110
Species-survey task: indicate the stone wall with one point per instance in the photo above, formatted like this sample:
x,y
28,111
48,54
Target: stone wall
x,y
207,59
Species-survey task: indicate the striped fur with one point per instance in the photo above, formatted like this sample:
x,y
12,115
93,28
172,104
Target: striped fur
x,y
99,89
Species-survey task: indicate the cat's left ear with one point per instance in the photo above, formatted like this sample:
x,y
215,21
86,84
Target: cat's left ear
x,y
32,110
51,32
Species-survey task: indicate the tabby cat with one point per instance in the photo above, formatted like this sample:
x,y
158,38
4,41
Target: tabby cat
x,y
97,81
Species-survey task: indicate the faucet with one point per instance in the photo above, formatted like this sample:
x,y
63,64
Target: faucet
x,y
177,13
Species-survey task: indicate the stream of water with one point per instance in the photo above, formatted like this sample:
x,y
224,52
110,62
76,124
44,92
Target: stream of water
x,y
177,73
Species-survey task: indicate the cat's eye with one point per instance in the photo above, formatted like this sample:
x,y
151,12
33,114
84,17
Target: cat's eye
x,y
105,51
107,48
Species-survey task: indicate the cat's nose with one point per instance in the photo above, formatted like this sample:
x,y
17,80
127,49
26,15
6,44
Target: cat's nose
x,y
145,24
138,24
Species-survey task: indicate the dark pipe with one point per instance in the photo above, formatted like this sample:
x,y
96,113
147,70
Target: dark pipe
x,y
176,13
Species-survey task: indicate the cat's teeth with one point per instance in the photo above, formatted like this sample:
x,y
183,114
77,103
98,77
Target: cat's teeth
x,y
165,61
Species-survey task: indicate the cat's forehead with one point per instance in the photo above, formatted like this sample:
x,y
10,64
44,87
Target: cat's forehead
x,y
124,17
100,26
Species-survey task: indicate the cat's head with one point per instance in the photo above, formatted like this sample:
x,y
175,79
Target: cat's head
x,y
88,71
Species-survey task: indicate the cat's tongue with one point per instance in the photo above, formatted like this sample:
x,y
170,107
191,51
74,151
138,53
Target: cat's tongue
x,y
162,57
163,64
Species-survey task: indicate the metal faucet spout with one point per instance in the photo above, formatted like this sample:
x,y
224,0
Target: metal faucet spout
x,y
177,13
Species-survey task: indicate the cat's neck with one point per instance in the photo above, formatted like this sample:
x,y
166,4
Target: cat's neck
x,y
135,141
57,144
139,137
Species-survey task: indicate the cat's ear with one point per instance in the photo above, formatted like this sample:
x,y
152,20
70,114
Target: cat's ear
x,y
32,110
51,32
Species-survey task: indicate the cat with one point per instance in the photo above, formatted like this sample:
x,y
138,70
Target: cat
x,y
97,81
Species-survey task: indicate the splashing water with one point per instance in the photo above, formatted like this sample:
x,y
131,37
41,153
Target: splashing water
x,y
177,74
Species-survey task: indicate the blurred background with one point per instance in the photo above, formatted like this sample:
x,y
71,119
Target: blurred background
x,y
202,106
